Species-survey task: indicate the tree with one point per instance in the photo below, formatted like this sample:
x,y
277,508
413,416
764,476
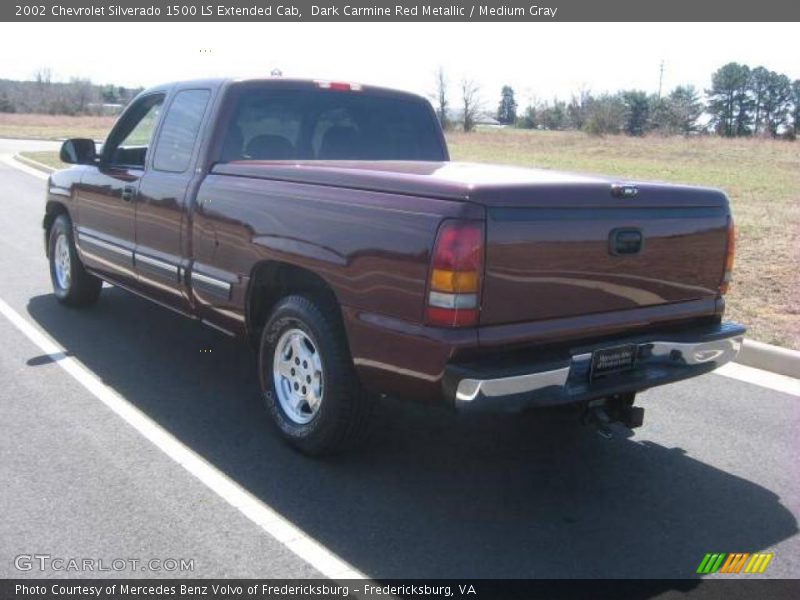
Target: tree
x,y
795,108
43,76
637,111
759,82
441,98
605,114
776,102
577,108
507,110
6,106
553,116
529,119
470,104
728,100
80,93
678,112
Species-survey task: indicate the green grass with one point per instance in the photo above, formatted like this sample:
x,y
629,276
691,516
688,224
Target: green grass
x,y
761,177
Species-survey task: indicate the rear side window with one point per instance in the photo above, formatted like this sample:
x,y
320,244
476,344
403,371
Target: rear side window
x,y
330,125
179,132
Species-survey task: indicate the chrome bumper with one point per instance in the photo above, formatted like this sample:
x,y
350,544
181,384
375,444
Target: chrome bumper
x,y
659,361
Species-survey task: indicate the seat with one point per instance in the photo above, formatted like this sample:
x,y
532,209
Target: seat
x,y
269,147
340,143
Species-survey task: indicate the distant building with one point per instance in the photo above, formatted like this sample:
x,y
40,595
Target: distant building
x,y
482,119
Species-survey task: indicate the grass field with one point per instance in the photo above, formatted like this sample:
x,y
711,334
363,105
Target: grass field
x,y
761,177
53,127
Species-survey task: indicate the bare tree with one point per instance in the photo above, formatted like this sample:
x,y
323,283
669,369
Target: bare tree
x,y
471,103
43,76
441,97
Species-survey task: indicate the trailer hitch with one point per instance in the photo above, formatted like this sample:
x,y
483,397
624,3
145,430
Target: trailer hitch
x,y
603,412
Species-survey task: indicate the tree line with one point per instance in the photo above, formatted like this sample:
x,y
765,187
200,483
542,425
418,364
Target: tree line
x,y
740,102
74,97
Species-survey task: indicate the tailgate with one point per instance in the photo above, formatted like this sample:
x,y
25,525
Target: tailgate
x,y
551,261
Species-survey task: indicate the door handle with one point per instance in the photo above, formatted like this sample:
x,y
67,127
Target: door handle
x,y
127,192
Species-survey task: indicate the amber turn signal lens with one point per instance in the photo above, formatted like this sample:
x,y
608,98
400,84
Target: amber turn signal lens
x,y
456,282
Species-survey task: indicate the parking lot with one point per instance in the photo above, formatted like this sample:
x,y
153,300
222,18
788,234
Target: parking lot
x,y
714,469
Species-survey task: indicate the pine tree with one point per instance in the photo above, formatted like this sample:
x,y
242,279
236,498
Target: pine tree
x,y
729,103
507,110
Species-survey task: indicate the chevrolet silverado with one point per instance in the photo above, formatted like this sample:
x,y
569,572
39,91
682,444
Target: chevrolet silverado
x,y
324,222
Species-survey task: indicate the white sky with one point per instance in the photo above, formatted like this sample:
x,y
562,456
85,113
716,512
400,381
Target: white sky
x,y
537,59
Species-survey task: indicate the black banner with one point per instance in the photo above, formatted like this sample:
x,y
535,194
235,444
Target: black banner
x,y
399,10
432,589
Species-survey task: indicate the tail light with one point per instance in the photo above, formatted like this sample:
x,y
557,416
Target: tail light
x,y
730,250
454,284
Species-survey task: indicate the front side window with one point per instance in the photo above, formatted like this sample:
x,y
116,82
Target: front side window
x,y
179,133
330,125
130,140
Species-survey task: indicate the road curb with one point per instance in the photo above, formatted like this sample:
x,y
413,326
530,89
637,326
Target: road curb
x,y
33,163
753,354
770,358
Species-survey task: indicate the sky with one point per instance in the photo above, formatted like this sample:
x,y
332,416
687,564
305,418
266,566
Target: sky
x,y
540,60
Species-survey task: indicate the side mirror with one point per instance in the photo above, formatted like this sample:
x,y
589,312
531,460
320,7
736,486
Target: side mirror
x,y
78,151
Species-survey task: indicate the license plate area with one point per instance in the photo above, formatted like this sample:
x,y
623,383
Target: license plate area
x,y
608,361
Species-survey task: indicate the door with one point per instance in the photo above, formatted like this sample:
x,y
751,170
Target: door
x,y
106,223
162,246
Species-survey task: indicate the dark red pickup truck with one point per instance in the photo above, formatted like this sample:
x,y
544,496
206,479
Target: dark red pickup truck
x,y
325,222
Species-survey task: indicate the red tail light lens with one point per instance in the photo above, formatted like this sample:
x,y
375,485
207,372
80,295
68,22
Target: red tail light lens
x,y
455,277
730,251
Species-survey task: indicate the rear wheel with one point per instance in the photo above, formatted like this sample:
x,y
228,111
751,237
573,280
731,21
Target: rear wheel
x,y
72,284
307,377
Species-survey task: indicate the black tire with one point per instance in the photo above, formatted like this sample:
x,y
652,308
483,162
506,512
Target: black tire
x,y
80,288
341,419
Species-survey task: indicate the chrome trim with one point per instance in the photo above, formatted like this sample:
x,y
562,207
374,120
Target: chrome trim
x,y
111,247
218,328
718,351
469,389
721,351
212,281
142,295
158,264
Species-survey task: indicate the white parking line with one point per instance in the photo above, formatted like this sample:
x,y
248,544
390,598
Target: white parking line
x,y
15,164
773,381
285,532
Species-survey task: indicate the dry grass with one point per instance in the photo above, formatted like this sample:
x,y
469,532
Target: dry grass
x,y
761,178
46,158
53,127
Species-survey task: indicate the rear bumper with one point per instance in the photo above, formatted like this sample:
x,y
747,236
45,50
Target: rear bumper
x,y
661,358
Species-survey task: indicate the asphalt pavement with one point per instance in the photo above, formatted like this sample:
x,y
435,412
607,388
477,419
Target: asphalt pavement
x,y
714,469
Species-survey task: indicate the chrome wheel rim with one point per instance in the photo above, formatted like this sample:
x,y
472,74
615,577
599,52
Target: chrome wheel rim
x,y
61,262
298,377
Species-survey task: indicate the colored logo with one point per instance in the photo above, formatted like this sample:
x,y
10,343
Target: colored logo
x,y
741,562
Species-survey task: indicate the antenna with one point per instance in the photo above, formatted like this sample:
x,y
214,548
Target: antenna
x,y
660,78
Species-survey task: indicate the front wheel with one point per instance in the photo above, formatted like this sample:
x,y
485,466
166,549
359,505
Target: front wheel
x,y
307,377
72,284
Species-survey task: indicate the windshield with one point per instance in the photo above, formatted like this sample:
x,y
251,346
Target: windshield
x,y
271,124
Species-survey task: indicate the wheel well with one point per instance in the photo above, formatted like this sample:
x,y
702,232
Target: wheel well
x,y
272,280
51,212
